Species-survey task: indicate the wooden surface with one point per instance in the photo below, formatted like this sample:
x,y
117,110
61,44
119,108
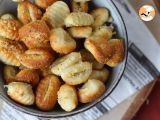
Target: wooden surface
x,y
127,109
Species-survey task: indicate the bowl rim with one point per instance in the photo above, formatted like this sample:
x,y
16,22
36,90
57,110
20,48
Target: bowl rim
x,y
69,114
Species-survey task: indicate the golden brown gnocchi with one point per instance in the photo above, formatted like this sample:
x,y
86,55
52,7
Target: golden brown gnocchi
x,y
21,93
101,16
27,76
77,73
28,12
10,51
61,41
56,13
9,28
36,58
35,34
67,97
62,63
91,90
46,93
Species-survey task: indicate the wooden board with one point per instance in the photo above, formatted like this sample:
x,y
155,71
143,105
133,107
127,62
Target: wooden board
x,y
127,109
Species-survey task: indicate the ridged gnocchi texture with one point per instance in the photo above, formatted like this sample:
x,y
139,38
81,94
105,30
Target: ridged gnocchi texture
x,y
36,58
118,56
79,19
64,62
87,56
28,12
44,3
67,97
10,51
80,32
35,34
91,90
77,73
101,16
46,93
9,28
21,93
79,6
101,75
27,76
56,13
61,41
9,73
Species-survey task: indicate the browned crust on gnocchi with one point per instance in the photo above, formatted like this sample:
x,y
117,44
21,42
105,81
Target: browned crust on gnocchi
x,y
100,49
10,51
9,28
91,90
28,12
35,34
46,93
118,56
61,41
36,58
28,76
44,3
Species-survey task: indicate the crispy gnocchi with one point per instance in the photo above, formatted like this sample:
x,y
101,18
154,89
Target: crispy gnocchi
x,y
9,28
101,16
58,52
28,12
27,76
77,73
61,41
56,13
91,90
67,97
64,62
118,56
46,93
35,34
100,49
36,58
10,51
21,93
